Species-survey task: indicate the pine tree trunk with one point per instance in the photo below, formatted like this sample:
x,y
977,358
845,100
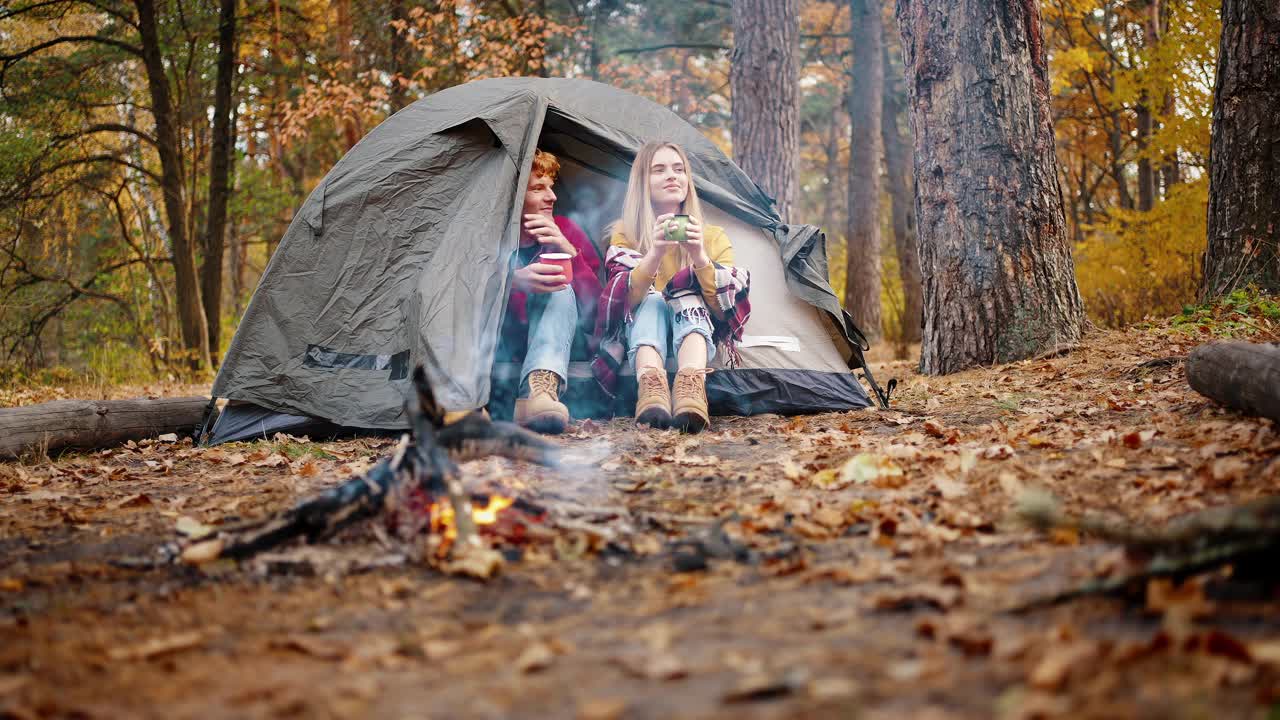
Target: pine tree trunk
x,y
866,97
220,153
901,193
763,77
195,331
1244,157
999,281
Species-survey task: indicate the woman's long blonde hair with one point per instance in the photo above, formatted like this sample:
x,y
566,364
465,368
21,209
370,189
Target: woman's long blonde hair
x,y
637,208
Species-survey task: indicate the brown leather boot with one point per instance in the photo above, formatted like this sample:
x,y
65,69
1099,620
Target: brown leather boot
x,y
542,410
653,398
690,406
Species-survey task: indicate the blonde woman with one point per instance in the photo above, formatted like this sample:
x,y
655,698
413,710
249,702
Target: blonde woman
x,y
670,291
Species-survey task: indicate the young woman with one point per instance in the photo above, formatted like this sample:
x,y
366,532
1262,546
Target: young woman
x,y
670,290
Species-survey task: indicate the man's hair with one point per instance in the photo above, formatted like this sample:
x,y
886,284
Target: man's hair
x,y
544,163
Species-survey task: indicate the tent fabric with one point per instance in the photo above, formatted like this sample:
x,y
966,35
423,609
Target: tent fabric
x,y
401,253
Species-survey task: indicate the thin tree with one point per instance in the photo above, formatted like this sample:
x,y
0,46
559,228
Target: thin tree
x,y
191,318
219,178
862,284
999,281
1244,157
901,182
764,76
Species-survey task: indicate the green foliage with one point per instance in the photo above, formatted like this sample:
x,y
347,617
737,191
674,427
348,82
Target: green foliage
x,y
1247,313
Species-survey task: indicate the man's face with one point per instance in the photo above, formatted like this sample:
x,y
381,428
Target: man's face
x,y
539,198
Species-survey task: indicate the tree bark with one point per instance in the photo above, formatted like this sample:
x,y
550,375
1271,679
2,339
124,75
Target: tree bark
x,y
90,424
399,72
999,281
866,97
195,331
1244,154
1243,376
764,76
901,193
220,152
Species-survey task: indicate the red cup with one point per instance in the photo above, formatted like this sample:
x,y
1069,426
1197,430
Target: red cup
x,y
564,260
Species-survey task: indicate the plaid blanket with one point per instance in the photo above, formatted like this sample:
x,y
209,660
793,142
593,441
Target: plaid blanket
x,y
683,295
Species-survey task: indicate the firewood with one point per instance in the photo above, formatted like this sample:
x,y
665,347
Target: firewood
x,y
425,458
92,424
1243,376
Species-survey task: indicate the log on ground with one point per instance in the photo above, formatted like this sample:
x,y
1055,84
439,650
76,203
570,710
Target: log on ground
x,y
90,424
1242,376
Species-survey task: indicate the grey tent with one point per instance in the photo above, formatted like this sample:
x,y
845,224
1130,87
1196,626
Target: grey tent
x,y
401,255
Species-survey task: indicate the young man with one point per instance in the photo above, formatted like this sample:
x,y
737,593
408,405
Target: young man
x,y
546,314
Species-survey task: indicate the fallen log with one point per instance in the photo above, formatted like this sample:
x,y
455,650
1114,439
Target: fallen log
x,y
90,424
1242,376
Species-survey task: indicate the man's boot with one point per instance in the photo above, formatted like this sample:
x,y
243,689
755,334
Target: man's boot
x,y
653,398
542,410
690,408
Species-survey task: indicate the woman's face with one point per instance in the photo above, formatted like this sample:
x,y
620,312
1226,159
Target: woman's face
x,y
668,180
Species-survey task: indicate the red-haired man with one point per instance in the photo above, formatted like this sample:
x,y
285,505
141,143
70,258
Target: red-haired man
x,y
546,314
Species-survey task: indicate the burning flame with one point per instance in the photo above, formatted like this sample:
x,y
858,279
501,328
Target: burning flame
x,y
442,514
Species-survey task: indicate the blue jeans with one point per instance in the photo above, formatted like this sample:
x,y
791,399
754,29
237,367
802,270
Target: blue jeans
x,y
553,319
655,325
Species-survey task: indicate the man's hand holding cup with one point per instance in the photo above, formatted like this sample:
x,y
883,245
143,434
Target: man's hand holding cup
x,y
540,277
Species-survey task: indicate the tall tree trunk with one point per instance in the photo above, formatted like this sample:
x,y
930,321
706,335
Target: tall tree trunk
x,y
1116,138
1146,114
999,282
1244,156
195,332
901,193
866,97
763,77
220,152
399,96
1146,171
831,192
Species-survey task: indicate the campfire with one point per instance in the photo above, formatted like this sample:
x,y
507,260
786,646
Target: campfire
x,y
500,519
418,489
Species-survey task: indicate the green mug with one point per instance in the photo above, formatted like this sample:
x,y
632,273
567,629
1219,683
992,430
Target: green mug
x,y
677,227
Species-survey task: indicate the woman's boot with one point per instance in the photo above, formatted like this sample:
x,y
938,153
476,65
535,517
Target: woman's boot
x,y
690,406
653,398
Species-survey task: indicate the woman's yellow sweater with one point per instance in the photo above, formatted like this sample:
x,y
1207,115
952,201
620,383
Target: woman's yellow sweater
x,y
716,242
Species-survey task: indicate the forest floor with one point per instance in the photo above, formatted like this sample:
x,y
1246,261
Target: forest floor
x,y
880,565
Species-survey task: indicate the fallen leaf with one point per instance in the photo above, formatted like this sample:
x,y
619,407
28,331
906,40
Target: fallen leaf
x,y
938,597
762,686
324,649
1055,668
998,452
829,517
158,646
949,489
535,657
652,665
202,552
602,709
871,468
10,684
139,500
193,528
832,688
272,460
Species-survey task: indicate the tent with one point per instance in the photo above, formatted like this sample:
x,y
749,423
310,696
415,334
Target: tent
x,y
401,255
